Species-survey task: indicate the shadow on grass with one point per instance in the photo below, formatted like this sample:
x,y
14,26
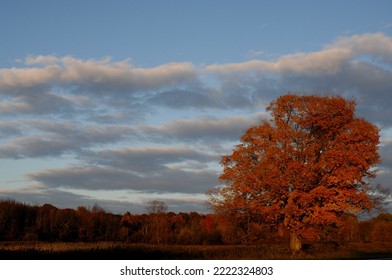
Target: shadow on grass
x,y
143,252
92,254
119,251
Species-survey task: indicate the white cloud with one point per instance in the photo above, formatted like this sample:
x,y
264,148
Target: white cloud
x,y
50,84
324,62
375,44
42,59
327,61
112,75
15,80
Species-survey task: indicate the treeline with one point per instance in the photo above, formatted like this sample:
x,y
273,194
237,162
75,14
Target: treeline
x,y
21,222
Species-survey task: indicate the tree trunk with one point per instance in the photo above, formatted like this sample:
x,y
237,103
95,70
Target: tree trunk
x,y
295,242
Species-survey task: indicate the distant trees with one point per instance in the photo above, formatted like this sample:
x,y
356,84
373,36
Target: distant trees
x,y
382,228
21,222
15,219
306,168
157,225
169,228
156,207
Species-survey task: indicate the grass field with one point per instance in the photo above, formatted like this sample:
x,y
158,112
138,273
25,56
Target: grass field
x,y
124,251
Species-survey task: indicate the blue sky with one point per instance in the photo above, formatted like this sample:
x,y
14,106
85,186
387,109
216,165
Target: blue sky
x,y
120,102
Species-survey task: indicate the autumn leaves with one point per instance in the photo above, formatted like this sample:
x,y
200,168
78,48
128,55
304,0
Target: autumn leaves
x,y
305,168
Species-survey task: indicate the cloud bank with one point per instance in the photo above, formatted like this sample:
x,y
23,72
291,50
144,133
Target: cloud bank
x,y
162,130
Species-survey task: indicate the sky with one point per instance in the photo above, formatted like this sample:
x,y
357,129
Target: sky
x,y
118,103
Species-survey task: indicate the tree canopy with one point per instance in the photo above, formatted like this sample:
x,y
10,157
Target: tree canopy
x,y
304,168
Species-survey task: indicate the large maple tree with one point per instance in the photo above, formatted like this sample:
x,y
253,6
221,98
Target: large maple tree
x,y
304,168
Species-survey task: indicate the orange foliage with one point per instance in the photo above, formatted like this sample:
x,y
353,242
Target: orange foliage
x,y
304,168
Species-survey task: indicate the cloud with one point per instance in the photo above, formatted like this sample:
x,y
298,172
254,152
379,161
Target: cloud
x,y
55,197
148,160
108,178
187,204
67,199
63,198
230,94
185,98
15,80
45,138
357,66
111,117
386,154
57,138
384,177
65,86
204,129
155,169
103,75
323,62
328,61
374,44
9,129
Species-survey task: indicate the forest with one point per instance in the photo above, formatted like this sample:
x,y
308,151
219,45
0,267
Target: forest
x,y
23,222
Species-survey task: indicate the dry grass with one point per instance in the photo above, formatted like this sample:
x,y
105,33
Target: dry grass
x,y
55,246
117,250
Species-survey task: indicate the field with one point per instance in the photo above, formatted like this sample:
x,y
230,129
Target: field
x,y
125,251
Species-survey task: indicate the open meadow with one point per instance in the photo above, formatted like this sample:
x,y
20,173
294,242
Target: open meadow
x,y
127,251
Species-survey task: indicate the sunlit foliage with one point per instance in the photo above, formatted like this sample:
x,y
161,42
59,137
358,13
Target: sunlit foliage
x,y
305,168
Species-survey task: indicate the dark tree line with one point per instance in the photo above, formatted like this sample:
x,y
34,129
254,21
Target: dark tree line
x,y
19,221
22,222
